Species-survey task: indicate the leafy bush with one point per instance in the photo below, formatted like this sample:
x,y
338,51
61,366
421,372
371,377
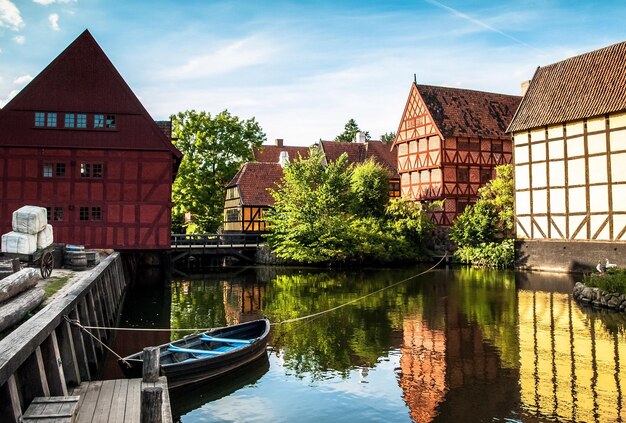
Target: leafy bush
x,y
488,254
614,280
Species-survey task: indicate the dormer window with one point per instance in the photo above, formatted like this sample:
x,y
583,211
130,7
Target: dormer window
x,y
98,121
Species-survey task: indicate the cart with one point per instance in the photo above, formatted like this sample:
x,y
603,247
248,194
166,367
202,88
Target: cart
x,y
44,259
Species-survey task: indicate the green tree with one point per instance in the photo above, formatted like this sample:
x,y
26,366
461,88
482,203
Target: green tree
x,y
214,148
349,133
310,216
483,231
388,137
369,184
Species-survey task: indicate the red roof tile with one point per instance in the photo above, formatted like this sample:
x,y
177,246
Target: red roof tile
x,y
359,152
254,180
584,86
271,153
467,113
383,154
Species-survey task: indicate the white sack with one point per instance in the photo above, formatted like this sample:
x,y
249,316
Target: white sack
x,y
44,238
30,219
19,243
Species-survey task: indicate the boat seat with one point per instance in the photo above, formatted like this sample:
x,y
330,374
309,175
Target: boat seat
x,y
208,338
175,349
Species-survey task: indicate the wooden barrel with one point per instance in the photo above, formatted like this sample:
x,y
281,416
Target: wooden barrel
x,y
75,259
91,258
58,254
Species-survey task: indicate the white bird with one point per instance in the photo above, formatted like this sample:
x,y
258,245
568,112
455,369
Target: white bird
x,y
600,267
610,265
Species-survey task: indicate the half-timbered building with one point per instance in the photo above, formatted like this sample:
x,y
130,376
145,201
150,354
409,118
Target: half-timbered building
x,y
77,141
248,193
448,143
570,149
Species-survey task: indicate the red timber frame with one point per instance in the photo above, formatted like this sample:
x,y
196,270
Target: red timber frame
x,y
434,168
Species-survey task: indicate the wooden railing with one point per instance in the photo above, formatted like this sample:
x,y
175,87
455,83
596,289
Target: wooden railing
x,y
46,354
216,241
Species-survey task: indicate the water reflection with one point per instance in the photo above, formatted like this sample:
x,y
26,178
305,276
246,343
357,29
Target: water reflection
x,y
453,345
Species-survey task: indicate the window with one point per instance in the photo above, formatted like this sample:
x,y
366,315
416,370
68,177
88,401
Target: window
x,y
52,120
81,120
485,176
110,122
91,170
83,213
40,119
98,121
55,214
96,213
47,170
232,215
90,213
462,174
59,169
69,120
231,193
496,147
461,204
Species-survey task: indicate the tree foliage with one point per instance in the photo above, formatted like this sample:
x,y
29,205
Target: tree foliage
x,y
480,230
349,133
214,148
388,137
340,214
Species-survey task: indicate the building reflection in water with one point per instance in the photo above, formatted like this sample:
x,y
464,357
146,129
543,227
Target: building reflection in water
x,y
524,351
569,359
243,301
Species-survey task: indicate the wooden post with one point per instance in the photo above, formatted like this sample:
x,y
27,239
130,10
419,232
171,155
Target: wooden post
x,y
68,354
151,364
151,405
10,407
80,347
53,365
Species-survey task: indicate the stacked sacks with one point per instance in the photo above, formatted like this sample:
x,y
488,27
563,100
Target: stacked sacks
x,y
31,231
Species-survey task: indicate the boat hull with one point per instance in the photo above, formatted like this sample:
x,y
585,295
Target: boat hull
x,y
195,370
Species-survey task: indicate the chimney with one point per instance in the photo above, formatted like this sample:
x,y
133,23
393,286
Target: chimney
x,y
278,142
283,158
525,85
359,137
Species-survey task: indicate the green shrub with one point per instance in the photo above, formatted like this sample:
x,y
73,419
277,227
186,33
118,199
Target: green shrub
x,y
614,280
488,254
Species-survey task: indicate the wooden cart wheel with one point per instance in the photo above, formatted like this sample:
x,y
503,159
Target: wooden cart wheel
x,y
46,265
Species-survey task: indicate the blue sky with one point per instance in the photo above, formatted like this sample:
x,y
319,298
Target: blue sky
x,y
303,68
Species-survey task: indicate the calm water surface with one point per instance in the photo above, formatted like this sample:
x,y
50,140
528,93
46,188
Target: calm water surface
x,y
452,345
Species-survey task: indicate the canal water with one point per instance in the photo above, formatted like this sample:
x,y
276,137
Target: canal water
x,y
452,345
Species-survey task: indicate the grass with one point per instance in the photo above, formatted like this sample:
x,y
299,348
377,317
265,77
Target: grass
x,y
614,280
56,284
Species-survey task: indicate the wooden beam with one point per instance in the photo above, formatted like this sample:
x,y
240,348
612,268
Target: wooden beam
x,y
68,354
54,366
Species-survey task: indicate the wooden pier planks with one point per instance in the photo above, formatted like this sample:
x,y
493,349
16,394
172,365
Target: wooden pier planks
x,y
116,400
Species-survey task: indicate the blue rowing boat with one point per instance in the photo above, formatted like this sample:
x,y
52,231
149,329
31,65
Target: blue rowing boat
x,y
201,357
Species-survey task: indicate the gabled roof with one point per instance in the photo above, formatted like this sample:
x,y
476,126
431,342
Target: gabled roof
x,y
584,86
81,79
358,152
254,180
271,153
468,113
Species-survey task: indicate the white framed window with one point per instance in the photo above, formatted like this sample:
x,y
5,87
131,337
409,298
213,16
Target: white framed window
x,y
98,121
40,119
81,120
52,120
69,120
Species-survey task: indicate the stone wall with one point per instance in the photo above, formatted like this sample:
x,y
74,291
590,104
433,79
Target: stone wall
x,y
599,298
566,256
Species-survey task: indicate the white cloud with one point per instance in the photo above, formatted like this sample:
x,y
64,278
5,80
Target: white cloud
x,y
48,2
54,21
20,39
10,16
243,53
22,80
12,94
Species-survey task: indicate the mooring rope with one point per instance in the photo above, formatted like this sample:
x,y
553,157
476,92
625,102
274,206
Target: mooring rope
x,y
296,319
84,329
319,313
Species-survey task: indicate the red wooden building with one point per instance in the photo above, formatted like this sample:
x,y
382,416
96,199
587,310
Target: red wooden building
x,y
448,143
78,141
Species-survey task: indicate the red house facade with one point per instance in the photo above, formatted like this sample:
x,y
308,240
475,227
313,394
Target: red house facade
x,y
448,143
77,141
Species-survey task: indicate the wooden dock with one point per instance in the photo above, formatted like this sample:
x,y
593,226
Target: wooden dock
x,y
116,400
